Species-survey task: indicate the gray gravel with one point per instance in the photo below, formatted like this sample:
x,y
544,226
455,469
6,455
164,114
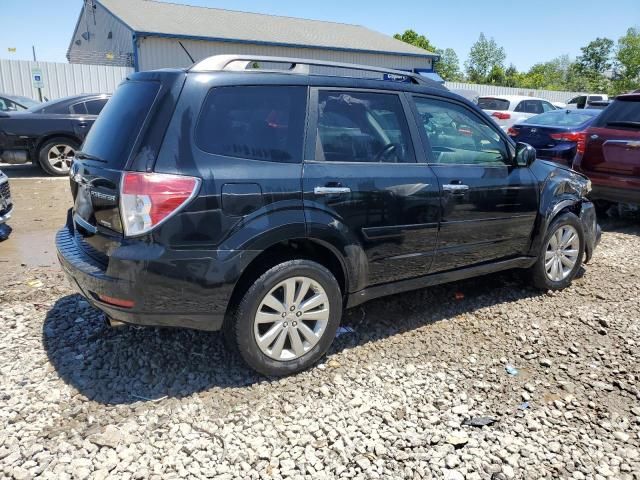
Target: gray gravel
x,y
392,400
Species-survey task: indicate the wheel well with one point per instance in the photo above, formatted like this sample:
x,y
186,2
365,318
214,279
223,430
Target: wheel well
x,y
288,250
43,140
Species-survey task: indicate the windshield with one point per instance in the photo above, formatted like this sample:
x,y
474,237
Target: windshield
x,y
562,118
490,103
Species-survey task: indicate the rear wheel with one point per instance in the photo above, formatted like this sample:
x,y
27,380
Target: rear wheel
x,y
561,254
287,319
56,155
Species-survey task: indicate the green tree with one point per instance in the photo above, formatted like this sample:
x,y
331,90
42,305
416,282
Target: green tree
x,y
448,66
627,62
592,69
511,76
497,75
551,75
483,57
420,41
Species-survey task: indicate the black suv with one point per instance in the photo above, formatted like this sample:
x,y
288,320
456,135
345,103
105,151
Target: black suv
x,y
263,202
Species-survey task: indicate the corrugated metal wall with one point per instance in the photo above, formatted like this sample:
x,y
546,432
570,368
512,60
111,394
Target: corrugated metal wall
x,y
60,79
486,90
166,52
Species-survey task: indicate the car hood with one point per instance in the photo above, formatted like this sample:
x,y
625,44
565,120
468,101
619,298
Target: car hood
x,y
565,179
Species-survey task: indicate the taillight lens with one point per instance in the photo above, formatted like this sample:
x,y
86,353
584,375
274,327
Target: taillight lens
x,y
148,199
579,138
501,115
512,132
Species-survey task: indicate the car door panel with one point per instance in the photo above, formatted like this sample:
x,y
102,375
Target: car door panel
x,y
488,205
390,209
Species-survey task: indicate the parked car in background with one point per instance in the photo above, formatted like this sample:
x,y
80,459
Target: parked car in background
x,y
49,133
470,95
6,202
599,104
583,101
611,157
16,103
556,135
263,203
509,109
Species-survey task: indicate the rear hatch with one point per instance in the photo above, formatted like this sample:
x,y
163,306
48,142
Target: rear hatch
x,y
613,142
126,136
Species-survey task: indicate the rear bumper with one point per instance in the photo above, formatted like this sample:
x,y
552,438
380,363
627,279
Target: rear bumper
x,y
615,194
592,231
167,291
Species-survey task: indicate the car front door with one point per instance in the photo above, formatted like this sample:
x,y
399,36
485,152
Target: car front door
x,y
366,180
489,205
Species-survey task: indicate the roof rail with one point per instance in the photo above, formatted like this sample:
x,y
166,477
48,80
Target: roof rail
x,y
239,63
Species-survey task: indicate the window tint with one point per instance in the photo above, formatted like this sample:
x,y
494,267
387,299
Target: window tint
x,y
573,100
529,106
7,105
362,127
94,107
622,113
79,108
457,136
114,132
489,103
258,123
562,118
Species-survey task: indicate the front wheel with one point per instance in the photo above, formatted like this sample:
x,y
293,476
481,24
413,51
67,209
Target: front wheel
x,y
561,254
287,319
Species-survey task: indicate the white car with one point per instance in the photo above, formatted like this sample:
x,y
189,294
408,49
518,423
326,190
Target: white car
x,y
509,109
583,101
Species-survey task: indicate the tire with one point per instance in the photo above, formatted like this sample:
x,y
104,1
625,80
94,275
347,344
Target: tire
x,y
243,331
55,156
543,277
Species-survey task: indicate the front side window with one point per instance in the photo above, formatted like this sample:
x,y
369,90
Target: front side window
x,y
457,136
257,123
362,127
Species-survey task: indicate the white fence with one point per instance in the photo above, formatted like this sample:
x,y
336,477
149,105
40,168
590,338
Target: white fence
x,y
60,79
486,90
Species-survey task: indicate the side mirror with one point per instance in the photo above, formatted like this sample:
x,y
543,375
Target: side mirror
x,y
525,154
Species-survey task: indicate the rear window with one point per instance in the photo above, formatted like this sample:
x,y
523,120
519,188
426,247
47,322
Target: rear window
x,y
561,118
622,113
114,133
258,123
489,103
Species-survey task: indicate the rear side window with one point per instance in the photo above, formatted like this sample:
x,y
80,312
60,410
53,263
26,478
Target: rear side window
x,y
257,123
529,106
114,133
489,103
79,108
622,113
94,107
362,127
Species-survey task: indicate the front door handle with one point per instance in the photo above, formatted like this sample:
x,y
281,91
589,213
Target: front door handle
x,y
331,190
455,188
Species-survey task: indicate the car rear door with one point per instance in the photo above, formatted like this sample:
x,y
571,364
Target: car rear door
x,y
366,182
489,205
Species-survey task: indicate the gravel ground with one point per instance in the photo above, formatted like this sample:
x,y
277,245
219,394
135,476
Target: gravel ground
x,y
554,377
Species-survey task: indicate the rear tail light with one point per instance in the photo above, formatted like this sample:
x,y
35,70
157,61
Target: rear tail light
x,y
501,115
116,302
512,132
579,138
148,199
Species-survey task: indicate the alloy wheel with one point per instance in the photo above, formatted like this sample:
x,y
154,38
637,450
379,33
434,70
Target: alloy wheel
x,y
562,252
60,157
291,318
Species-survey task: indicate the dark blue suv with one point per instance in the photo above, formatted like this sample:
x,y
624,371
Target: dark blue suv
x,y
262,196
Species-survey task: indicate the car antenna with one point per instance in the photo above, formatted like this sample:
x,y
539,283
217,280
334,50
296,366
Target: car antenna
x,y
187,52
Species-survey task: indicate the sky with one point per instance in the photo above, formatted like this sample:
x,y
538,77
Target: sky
x,y
530,32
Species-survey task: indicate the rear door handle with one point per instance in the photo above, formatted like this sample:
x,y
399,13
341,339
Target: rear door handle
x,y
331,190
455,188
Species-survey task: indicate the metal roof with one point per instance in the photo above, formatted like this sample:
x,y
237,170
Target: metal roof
x,y
149,17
